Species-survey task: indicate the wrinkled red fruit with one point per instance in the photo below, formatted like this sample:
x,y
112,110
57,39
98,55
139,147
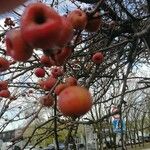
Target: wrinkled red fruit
x,y
48,83
59,88
78,18
66,33
41,26
4,93
4,64
16,47
63,56
71,81
46,61
47,100
56,72
3,85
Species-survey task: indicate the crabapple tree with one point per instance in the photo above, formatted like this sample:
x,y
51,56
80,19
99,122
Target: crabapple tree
x,y
65,64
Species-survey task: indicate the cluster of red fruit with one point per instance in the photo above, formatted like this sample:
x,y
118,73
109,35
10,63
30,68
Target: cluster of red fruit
x,y
48,83
58,59
4,92
4,65
40,27
81,21
73,100
51,80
